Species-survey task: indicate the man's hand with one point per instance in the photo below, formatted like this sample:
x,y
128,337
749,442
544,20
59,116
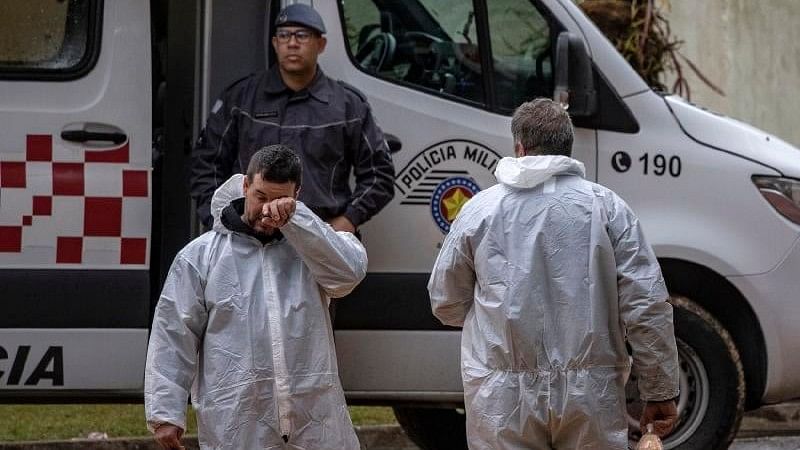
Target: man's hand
x,y
169,436
342,223
662,415
276,213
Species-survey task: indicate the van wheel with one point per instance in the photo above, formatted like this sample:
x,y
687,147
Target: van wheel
x,y
711,401
433,428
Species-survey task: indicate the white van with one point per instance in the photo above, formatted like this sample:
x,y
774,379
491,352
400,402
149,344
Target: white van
x,y
100,102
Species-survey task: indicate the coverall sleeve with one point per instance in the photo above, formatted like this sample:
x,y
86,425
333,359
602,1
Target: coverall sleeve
x,y
646,314
172,355
214,154
373,170
337,260
452,283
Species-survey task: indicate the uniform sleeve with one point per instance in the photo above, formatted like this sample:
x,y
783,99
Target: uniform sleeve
x,y
215,153
452,283
373,170
646,314
172,355
337,260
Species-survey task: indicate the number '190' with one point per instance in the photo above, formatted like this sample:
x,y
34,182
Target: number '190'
x,y
661,165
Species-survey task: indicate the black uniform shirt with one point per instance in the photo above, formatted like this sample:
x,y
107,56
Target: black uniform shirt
x,y
329,124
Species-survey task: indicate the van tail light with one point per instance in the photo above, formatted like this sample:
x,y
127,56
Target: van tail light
x,y
782,193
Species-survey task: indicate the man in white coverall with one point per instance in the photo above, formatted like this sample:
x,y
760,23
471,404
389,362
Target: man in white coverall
x,y
243,321
549,274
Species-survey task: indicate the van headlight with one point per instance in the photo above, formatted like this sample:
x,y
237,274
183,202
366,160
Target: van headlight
x,y
782,193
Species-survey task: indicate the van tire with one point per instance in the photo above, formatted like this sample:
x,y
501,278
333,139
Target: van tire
x,y
711,367
433,428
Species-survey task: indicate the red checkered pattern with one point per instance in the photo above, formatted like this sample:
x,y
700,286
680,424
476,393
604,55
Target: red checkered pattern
x,y
12,174
56,209
39,147
69,250
11,239
42,206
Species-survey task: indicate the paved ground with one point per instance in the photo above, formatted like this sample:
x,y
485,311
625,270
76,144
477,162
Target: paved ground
x,y
774,427
767,443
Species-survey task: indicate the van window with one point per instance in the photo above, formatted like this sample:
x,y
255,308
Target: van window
x,y
521,52
53,37
428,44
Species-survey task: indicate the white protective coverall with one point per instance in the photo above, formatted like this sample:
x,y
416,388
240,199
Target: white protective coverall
x,y
549,274
246,326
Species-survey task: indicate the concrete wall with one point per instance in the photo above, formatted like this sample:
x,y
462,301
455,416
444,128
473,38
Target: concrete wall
x,y
751,50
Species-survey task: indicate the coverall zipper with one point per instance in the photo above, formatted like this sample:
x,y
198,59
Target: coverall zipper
x,y
278,355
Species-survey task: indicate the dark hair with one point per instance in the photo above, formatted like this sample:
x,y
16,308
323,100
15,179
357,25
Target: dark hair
x,y
276,163
543,127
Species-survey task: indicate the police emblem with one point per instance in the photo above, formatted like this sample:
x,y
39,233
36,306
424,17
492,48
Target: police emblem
x,y
448,199
443,176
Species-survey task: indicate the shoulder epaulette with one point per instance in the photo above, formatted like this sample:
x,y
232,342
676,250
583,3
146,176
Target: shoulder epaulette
x,y
353,90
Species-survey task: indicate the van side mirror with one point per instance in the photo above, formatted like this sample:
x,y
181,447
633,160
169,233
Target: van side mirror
x,y
574,82
393,142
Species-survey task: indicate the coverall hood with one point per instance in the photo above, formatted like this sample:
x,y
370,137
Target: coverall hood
x,y
531,171
229,191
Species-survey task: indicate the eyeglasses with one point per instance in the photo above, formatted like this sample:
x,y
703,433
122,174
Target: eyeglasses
x,y
285,36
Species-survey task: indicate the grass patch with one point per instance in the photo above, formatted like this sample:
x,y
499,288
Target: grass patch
x,y
371,415
56,422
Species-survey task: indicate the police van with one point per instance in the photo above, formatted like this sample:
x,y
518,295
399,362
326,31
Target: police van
x,y
101,100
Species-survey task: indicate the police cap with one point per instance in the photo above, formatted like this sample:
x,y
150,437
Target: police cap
x,y
300,14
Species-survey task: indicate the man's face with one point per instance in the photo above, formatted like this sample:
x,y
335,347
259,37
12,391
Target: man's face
x,y
298,49
260,192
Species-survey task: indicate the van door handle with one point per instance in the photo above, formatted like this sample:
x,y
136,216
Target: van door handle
x,y
86,136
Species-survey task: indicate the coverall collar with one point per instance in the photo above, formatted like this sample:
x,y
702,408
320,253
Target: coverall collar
x,y
530,171
318,88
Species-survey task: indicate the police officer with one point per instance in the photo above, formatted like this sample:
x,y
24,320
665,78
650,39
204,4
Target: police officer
x,y
294,103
